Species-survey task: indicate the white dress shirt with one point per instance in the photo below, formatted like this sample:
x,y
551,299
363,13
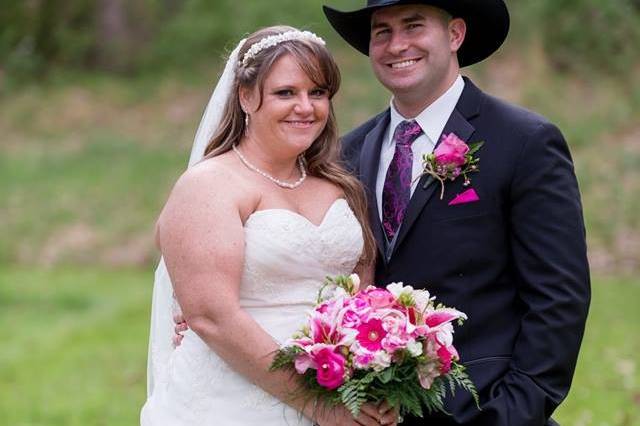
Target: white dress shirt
x,y
432,121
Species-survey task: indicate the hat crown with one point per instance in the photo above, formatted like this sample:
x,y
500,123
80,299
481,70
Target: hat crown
x,y
487,24
372,3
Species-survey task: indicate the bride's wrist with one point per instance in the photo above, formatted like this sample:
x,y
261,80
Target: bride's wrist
x,y
313,411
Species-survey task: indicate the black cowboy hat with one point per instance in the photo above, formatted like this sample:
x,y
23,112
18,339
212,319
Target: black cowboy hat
x,y
487,24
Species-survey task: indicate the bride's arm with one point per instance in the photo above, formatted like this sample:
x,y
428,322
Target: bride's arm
x,y
202,239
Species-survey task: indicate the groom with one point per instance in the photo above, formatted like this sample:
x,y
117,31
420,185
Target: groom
x,y
506,242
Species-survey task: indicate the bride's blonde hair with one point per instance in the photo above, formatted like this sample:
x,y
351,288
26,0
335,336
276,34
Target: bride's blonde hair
x,y
323,156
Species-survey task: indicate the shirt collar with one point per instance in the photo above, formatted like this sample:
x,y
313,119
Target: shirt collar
x,y
433,118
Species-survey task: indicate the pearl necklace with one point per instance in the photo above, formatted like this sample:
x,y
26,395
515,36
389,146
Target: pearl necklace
x,y
283,184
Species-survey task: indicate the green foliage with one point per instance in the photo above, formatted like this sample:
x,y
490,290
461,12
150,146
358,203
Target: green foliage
x,y
400,387
398,384
583,35
285,358
355,392
201,28
458,377
137,35
37,35
144,35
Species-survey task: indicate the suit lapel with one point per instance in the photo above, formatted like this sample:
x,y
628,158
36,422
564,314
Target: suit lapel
x,y
467,107
369,162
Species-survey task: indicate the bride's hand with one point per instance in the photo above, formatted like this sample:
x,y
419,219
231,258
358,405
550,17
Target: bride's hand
x,y
370,415
385,413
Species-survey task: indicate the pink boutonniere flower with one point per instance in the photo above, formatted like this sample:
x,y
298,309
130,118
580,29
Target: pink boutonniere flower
x,y
452,158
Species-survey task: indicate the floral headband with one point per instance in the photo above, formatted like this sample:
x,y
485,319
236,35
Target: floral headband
x,y
274,40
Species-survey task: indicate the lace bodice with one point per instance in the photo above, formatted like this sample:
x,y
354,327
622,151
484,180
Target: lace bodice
x,y
286,255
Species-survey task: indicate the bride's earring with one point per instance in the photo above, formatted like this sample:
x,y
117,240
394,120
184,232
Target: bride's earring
x,y
246,122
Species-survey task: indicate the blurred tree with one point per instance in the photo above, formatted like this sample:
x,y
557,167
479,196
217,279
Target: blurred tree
x,y
124,31
113,33
37,35
200,29
45,45
132,35
582,35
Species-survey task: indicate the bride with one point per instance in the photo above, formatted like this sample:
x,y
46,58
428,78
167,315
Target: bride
x,y
248,234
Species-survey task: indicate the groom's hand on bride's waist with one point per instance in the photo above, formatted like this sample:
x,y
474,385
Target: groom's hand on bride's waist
x,y
180,327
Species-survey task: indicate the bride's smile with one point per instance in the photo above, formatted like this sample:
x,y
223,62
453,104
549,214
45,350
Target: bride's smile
x,y
291,112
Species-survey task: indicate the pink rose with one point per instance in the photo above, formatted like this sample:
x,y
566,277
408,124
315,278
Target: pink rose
x,y
379,297
351,319
355,311
399,330
330,367
451,151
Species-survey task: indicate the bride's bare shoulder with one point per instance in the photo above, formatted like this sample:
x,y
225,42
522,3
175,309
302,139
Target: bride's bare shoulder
x,y
203,209
211,186
206,173
212,177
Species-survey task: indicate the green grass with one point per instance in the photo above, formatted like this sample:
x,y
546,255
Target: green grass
x,y
75,345
606,387
103,194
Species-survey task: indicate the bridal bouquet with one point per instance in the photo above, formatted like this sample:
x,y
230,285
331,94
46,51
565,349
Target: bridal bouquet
x,y
377,344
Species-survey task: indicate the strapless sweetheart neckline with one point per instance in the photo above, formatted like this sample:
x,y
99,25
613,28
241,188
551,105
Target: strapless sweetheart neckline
x,y
292,213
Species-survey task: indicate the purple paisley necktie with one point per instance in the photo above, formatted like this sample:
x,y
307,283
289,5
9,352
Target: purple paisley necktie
x,y
397,184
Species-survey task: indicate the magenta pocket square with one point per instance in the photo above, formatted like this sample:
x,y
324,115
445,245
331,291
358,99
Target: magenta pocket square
x,y
468,196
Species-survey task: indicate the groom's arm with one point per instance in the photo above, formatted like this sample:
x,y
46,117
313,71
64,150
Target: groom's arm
x,y
549,254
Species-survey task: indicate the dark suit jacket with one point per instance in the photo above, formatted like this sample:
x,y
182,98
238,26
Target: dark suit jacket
x,y
514,261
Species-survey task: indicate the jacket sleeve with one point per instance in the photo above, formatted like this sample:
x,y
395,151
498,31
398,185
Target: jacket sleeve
x,y
548,249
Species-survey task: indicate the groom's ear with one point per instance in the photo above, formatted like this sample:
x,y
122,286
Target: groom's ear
x,y
457,32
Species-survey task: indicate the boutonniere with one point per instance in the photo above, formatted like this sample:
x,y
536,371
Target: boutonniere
x,y
452,158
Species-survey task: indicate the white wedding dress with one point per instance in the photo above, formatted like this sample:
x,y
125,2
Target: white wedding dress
x,y
286,260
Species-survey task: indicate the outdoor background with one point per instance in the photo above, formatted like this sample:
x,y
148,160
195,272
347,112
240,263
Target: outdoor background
x,y
99,101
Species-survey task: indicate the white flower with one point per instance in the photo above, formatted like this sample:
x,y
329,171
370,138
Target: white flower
x,y
339,293
355,279
398,289
445,334
381,360
422,299
414,348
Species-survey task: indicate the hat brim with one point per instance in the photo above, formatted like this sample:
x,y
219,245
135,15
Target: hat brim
x,y
487,24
